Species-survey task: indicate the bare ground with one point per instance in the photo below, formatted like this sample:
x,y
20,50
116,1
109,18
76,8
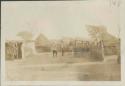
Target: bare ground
x,y
42,67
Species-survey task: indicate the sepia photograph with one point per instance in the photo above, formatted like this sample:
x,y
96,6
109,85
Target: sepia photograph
x,y
61,40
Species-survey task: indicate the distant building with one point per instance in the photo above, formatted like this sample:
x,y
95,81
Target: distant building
x,y
42,44
111,44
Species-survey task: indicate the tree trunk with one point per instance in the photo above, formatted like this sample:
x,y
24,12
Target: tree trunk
x,y
102,50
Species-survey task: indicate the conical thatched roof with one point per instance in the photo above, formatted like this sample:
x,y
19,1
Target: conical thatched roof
x,y
110,40
41,40
109,37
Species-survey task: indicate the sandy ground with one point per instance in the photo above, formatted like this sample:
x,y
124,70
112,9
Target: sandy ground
x,y
44,67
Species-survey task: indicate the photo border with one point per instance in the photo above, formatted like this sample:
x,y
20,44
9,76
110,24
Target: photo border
x,y
68,83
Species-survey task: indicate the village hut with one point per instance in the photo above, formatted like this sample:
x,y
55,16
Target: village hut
x,y
42,44
111,44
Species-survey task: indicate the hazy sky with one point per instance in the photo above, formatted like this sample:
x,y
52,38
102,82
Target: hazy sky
x,y
58,19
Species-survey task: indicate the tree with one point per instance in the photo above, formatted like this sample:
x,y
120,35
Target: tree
x,y
97,35
96,32
25,35
27,39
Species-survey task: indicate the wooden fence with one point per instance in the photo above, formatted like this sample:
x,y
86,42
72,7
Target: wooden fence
x,y
13,50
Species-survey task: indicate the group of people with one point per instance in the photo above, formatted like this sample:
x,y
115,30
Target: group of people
x,y
13,49
55,50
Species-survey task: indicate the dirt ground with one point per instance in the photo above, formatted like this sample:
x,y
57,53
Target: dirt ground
x,y
44,67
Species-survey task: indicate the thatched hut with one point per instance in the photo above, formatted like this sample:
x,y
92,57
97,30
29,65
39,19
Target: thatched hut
x,y
42,44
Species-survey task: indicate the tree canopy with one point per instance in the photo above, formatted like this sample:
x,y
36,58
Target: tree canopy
x,y
25,35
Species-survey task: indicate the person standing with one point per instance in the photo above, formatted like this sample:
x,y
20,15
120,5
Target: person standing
x,y
19,50
54,50
62,49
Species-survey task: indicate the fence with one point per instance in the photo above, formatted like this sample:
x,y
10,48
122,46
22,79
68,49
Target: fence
x,y
13,50
109,48
96,52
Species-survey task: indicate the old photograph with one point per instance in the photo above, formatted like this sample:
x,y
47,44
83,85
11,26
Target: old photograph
x,y
62,41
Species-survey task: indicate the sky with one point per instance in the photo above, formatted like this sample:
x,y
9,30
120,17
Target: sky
x,y
57,19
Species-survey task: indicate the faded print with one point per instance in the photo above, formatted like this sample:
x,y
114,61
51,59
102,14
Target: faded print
x,y
55,41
